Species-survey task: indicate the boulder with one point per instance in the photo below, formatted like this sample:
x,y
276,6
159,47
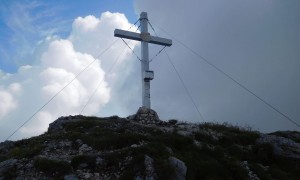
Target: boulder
x,y
179,167
149,168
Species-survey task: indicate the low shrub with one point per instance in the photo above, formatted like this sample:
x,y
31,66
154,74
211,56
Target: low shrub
x,y
174,141
112,140
230,134
164,169
277,173
262,153
52,167
173,121
3,157
203,137
8,173
25,151
235,151
90,161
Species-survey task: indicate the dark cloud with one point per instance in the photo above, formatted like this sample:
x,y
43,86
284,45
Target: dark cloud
x,y
255,42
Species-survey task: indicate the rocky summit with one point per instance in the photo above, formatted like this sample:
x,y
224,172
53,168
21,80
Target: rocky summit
x,y
142,146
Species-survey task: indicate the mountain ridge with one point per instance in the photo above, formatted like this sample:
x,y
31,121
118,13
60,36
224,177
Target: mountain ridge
x,y
142,146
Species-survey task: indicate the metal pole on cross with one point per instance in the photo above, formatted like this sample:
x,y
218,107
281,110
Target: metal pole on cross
x,y
145,39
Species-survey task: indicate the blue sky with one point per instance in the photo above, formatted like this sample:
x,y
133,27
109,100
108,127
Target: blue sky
x,y
23,23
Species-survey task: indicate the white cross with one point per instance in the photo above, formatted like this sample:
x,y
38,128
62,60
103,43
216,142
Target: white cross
x,y
145,38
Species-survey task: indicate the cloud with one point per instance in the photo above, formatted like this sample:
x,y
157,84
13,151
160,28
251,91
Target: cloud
x,y
59,62
89,34
124,78
62,65
257,49
8,101
15,88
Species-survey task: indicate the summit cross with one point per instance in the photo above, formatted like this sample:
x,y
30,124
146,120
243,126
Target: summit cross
x,y
145,39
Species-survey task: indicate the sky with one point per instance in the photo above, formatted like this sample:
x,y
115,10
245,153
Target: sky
x,y
45,44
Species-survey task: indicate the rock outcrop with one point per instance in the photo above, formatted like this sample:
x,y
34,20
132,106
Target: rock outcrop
x,y
281,146
144,147
59,123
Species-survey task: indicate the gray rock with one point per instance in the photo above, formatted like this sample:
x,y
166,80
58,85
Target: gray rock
x,y
134,146
70,177
6,165
169,150
87,175
149,178
293,135
29,165
84,148
6,145
65,144
79,142
184,133
138,178
131,117
83,165
97,175
148,116
251,174
282,146
99,161
198,143
149,168
211,133
179,166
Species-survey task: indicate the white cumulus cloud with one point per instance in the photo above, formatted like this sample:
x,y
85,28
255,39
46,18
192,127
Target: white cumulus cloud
x,y
58,62
7,101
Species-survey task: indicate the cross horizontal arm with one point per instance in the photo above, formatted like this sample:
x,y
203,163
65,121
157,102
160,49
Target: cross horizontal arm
x,y
142,37
127,34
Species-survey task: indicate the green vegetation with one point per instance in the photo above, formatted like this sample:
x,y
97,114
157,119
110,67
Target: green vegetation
x,y
90,161
155,150
9,173
26,148
105,134
53,168
216,158
25,151
229,134
3,157
215,151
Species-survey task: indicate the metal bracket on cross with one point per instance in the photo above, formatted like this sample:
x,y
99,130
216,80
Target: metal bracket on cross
x,y
145,39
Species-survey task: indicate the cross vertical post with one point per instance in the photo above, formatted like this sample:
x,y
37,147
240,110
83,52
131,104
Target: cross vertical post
x,y
145,39
145,62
